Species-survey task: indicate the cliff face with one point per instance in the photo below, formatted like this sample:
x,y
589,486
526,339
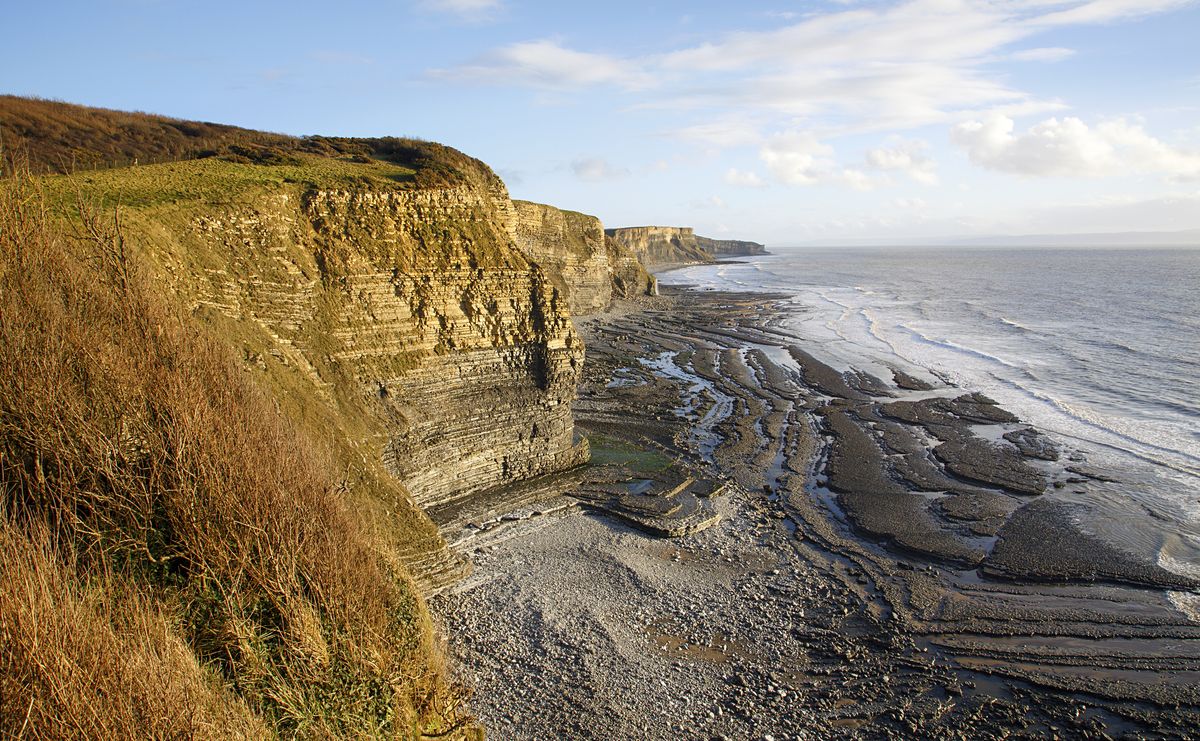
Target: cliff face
x,y
588,266
661,246
406,323
468,345
730,247
664,246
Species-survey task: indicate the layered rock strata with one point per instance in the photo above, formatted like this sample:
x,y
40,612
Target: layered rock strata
x,y
730,247
661,246
587,265
665,246
428,328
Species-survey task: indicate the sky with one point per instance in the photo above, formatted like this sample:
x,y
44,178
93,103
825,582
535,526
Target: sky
x,y
781,122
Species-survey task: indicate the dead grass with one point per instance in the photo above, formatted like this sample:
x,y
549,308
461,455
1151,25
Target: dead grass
x,y
168,535
58,137
91,660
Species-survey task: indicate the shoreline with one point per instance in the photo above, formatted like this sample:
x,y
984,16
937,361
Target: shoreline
x,y
828,597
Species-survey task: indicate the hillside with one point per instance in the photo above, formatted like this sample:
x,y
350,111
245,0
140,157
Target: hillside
x,y
53,137
233,387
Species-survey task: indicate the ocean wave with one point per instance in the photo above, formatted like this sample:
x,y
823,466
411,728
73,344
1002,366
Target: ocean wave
x,y
1115,435
1185,602
1016,325
1116,346
952,346
874,327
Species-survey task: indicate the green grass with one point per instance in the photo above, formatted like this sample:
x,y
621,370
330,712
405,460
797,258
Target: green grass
x,y
213,180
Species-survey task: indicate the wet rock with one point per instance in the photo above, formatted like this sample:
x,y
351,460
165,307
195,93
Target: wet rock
x,y
989,463
1041,541
908,382
1033,444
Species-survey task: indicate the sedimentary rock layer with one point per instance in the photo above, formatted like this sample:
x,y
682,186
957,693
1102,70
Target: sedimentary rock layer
x,y
660,246
429,328
663,246
580,259
730,247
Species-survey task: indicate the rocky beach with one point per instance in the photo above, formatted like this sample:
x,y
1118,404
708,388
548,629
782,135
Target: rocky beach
x,y
766,547
481,369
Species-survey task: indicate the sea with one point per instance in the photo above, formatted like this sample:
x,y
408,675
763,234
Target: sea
x,y
1098,347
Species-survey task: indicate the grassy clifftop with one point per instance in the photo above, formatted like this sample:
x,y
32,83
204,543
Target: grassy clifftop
x,y
179,556
198,536
55,137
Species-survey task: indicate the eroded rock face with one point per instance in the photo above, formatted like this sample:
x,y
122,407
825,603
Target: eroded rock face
x,y
663,246
491,401
441,318
579,258
730,247
660,246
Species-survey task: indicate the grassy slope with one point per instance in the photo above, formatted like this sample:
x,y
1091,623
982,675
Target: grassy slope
x,y
255,582
54,137
60,137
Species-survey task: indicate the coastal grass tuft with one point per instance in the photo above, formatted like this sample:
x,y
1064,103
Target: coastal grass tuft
x,y
177,556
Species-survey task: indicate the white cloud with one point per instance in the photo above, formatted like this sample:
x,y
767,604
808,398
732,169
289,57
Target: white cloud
x,y
799,158
1045,54
547,64
742,179
910,157
909,204
722,133
597,169
863,67
470,10
856,179
709,204
1101,11
1070,148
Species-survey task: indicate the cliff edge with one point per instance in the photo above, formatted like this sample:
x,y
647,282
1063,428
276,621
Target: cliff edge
x,y
660,247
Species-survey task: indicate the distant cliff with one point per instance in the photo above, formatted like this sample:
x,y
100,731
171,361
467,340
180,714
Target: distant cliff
x,y
665,246
590,268
730,247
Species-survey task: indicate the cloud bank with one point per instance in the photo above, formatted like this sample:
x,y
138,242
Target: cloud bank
x,y
1068,147
890,67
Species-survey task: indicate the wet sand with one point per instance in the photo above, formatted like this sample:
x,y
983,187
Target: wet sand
x,y
890,558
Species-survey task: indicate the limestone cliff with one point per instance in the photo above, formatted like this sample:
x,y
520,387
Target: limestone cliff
x,y
661,246
730,247
587,265
665,246
410,326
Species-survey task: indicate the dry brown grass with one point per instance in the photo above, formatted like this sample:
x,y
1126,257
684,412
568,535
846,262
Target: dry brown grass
x,y
58,137
167,529
83,660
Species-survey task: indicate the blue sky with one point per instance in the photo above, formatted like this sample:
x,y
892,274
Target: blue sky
x,y
784,122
